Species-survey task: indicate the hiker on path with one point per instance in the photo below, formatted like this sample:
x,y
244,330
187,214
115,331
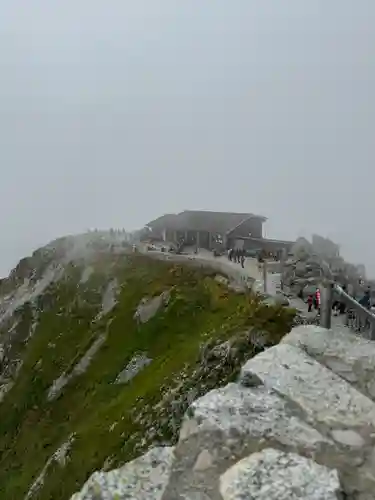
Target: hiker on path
x,y
365,300
242,260
236,255
230,254
310,301
317,299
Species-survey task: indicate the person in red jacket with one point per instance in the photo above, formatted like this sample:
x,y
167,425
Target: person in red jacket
x,y
317,299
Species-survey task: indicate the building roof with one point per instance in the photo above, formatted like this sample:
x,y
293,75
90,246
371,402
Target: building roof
x,y
165,220
202,220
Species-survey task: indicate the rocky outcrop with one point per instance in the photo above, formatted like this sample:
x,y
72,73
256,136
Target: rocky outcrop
x,y
349,356
302,274
58,384
308,262
135,365
143,479
148,307
275,475
298,424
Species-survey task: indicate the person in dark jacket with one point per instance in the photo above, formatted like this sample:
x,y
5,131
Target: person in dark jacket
x,y
310,301
238,255
365,301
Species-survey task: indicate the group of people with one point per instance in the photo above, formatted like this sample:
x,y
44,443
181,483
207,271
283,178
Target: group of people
x,y
313,300
338,306
237,255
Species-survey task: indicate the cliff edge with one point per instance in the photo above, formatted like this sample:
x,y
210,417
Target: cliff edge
x,y
299,423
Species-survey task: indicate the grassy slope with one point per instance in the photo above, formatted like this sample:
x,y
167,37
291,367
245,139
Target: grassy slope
x,y
31,428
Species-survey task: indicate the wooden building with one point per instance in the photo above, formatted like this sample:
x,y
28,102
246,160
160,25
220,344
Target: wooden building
x,y
206,229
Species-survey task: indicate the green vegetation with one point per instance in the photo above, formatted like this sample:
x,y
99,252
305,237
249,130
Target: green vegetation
x,y
99,413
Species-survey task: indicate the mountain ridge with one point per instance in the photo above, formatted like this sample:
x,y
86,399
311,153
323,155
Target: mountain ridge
x,y
69,328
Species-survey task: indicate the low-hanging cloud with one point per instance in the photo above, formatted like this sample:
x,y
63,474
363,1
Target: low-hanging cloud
x,y
114,113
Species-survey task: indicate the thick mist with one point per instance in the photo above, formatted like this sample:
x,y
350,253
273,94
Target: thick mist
x,y
114,113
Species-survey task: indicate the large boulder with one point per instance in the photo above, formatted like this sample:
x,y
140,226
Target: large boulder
x,y
300,268
279,299
299,423
349,356
274,475
143,479
330,404
231,423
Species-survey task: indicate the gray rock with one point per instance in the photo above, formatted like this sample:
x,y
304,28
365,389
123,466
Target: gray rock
x,y
322,395
222,279
80,368
86,274
275,475
254,412
277,300
231,423
109,299
204,461
148,307
348,438
349,356
251,380
144,478
299,413
135,365
300,268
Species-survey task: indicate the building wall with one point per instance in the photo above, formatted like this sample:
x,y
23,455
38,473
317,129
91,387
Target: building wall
x,y
251,227
262,244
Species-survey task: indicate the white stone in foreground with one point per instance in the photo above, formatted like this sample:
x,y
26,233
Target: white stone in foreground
x,y
254,412
145,478
348,355
275,475
320,393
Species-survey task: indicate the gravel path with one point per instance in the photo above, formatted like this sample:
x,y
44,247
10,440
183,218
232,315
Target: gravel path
x,y
222,264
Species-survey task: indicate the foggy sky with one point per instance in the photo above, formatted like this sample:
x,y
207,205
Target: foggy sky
x,y
112,113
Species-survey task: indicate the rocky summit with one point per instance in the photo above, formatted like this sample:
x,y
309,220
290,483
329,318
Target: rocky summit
x,y
102,353
298,423
124,376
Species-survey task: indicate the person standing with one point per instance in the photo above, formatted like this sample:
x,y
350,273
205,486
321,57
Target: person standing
x,y
317,299
236,255
242,259
365,301
310,301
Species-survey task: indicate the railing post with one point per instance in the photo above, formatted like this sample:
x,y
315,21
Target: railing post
x,y
283,259
265,276
326,298
372,331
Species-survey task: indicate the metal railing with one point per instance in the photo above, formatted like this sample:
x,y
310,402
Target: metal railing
x,y
359,319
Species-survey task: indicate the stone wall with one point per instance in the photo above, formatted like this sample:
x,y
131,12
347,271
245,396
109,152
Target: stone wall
x,y
298,424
